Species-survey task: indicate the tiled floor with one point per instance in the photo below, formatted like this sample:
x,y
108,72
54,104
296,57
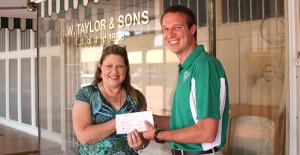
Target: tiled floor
x,y
15,142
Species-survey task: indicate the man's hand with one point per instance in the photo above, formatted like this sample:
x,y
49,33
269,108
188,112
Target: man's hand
x,y
148,134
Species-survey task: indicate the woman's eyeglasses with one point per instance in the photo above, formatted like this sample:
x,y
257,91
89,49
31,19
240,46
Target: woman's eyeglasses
x,y
114,45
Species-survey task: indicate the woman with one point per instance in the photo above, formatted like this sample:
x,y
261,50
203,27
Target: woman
x,y
96,106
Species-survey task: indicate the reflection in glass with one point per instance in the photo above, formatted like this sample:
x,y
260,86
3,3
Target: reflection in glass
x,y
56,94
251,134
153,67
252,50
265,77
26,90
43,93
13,89
2,88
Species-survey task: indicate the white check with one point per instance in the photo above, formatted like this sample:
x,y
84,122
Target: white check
x,y
126,123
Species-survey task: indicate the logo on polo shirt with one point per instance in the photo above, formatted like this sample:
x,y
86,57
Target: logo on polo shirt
x,y
186,75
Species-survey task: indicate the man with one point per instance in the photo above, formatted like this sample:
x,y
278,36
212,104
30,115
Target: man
x,y
199,116
268,89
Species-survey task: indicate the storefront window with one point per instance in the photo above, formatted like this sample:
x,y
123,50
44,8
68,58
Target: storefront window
x,y
256,56
248,10
71,45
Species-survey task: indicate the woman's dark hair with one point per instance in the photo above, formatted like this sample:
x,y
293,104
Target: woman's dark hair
x,y
190,17
121,51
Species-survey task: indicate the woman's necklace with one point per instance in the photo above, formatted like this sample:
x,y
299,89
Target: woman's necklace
x,y
113,99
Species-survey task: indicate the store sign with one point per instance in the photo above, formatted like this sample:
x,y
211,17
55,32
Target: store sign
x,y
82,30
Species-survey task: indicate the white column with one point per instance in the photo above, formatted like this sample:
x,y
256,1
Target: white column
x,y
50,7
33,78
291,39
57,6
49,84
66,5
19,76
7,74
75,4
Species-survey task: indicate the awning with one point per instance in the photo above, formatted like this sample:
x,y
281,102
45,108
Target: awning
x,y
18,23
55,6
57,9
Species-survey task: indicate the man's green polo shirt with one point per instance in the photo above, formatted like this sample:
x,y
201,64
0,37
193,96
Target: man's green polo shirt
x,y
201,92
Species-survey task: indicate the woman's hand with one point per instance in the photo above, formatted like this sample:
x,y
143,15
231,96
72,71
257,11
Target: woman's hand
x,y
135,140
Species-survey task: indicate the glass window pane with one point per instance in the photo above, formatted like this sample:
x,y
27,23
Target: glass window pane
x,y
251,9
35,39
56,94
55,38
184,2
280,8
198,7
269,8
245,10
166,4
258,60
2,89
2,40
153,67
224,4
256,9
26,90
25,40
233,11
154,56
13,89
42,37
43,93
202,15
174,2
13,42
